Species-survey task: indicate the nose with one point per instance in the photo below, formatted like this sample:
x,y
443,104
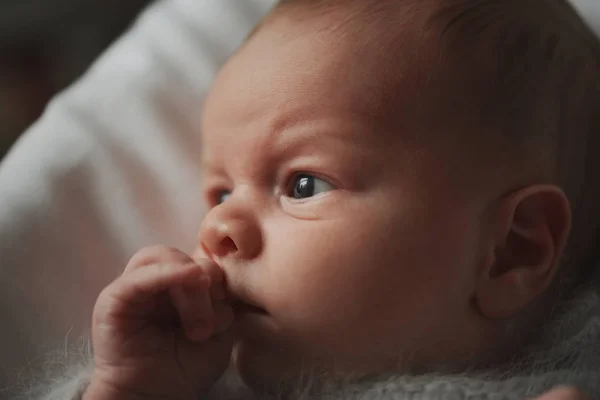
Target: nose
x,y
230,232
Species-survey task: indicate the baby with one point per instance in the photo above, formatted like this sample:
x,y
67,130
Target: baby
x,y
401,206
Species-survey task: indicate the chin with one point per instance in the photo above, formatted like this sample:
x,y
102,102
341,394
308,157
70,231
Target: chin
x,y
263,367
252,363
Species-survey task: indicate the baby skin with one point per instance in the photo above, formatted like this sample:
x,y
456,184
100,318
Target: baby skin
x,y
163,330
349,232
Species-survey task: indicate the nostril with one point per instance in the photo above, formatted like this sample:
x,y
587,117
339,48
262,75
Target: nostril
x,y
227,246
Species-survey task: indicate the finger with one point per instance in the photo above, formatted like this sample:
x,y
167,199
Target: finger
x,y
217,291
223,316
217,277
157,255
164,254
564,393
144,283
194,307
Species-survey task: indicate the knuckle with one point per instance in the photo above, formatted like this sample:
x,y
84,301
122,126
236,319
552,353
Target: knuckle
x,y
174,253
566,393
157,254
152,251
212,269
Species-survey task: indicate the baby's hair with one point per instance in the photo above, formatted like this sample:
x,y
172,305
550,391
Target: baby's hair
x,y
530,70
544,93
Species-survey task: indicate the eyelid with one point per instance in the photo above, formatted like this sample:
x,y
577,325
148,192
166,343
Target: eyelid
x,y
290,177
310,209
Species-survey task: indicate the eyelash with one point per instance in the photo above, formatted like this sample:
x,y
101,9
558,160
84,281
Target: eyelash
x,y
287,186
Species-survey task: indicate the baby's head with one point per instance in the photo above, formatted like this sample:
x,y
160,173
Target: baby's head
x,y
392,183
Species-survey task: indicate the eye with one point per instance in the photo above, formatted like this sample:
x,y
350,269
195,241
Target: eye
x,y
222,196
306,186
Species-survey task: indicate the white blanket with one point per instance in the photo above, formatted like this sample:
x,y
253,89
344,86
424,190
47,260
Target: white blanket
x,y
109,168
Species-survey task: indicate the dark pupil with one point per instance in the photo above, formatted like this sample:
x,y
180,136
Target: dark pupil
x,y
305,187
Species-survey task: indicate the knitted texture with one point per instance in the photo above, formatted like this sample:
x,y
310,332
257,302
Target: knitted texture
x,y
567,354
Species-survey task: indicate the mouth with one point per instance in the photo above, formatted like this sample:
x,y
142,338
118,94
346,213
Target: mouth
x,y
241,308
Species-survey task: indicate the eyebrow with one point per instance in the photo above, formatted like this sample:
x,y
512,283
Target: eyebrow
x,y
287,140
305,134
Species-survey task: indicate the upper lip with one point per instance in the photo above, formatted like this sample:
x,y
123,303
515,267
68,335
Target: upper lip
x,y
237,297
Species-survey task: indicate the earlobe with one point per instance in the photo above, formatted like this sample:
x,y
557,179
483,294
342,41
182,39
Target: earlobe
x,y
531,228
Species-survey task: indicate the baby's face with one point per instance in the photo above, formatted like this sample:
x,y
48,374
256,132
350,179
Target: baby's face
x,y
355,243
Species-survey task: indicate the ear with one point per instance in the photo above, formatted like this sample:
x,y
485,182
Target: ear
x,y
529,233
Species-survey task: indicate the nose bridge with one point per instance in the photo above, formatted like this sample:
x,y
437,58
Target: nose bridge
x,y
237,206
231,230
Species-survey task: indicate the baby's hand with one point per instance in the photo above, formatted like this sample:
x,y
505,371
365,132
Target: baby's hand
x,y
564,393
161,329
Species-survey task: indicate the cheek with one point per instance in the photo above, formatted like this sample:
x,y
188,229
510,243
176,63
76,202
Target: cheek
x,y
336,275
318,276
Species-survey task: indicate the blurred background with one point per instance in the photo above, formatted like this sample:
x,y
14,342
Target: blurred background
x,y
45,45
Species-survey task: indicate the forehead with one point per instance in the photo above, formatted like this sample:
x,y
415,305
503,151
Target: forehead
x,y
368,88
290,70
